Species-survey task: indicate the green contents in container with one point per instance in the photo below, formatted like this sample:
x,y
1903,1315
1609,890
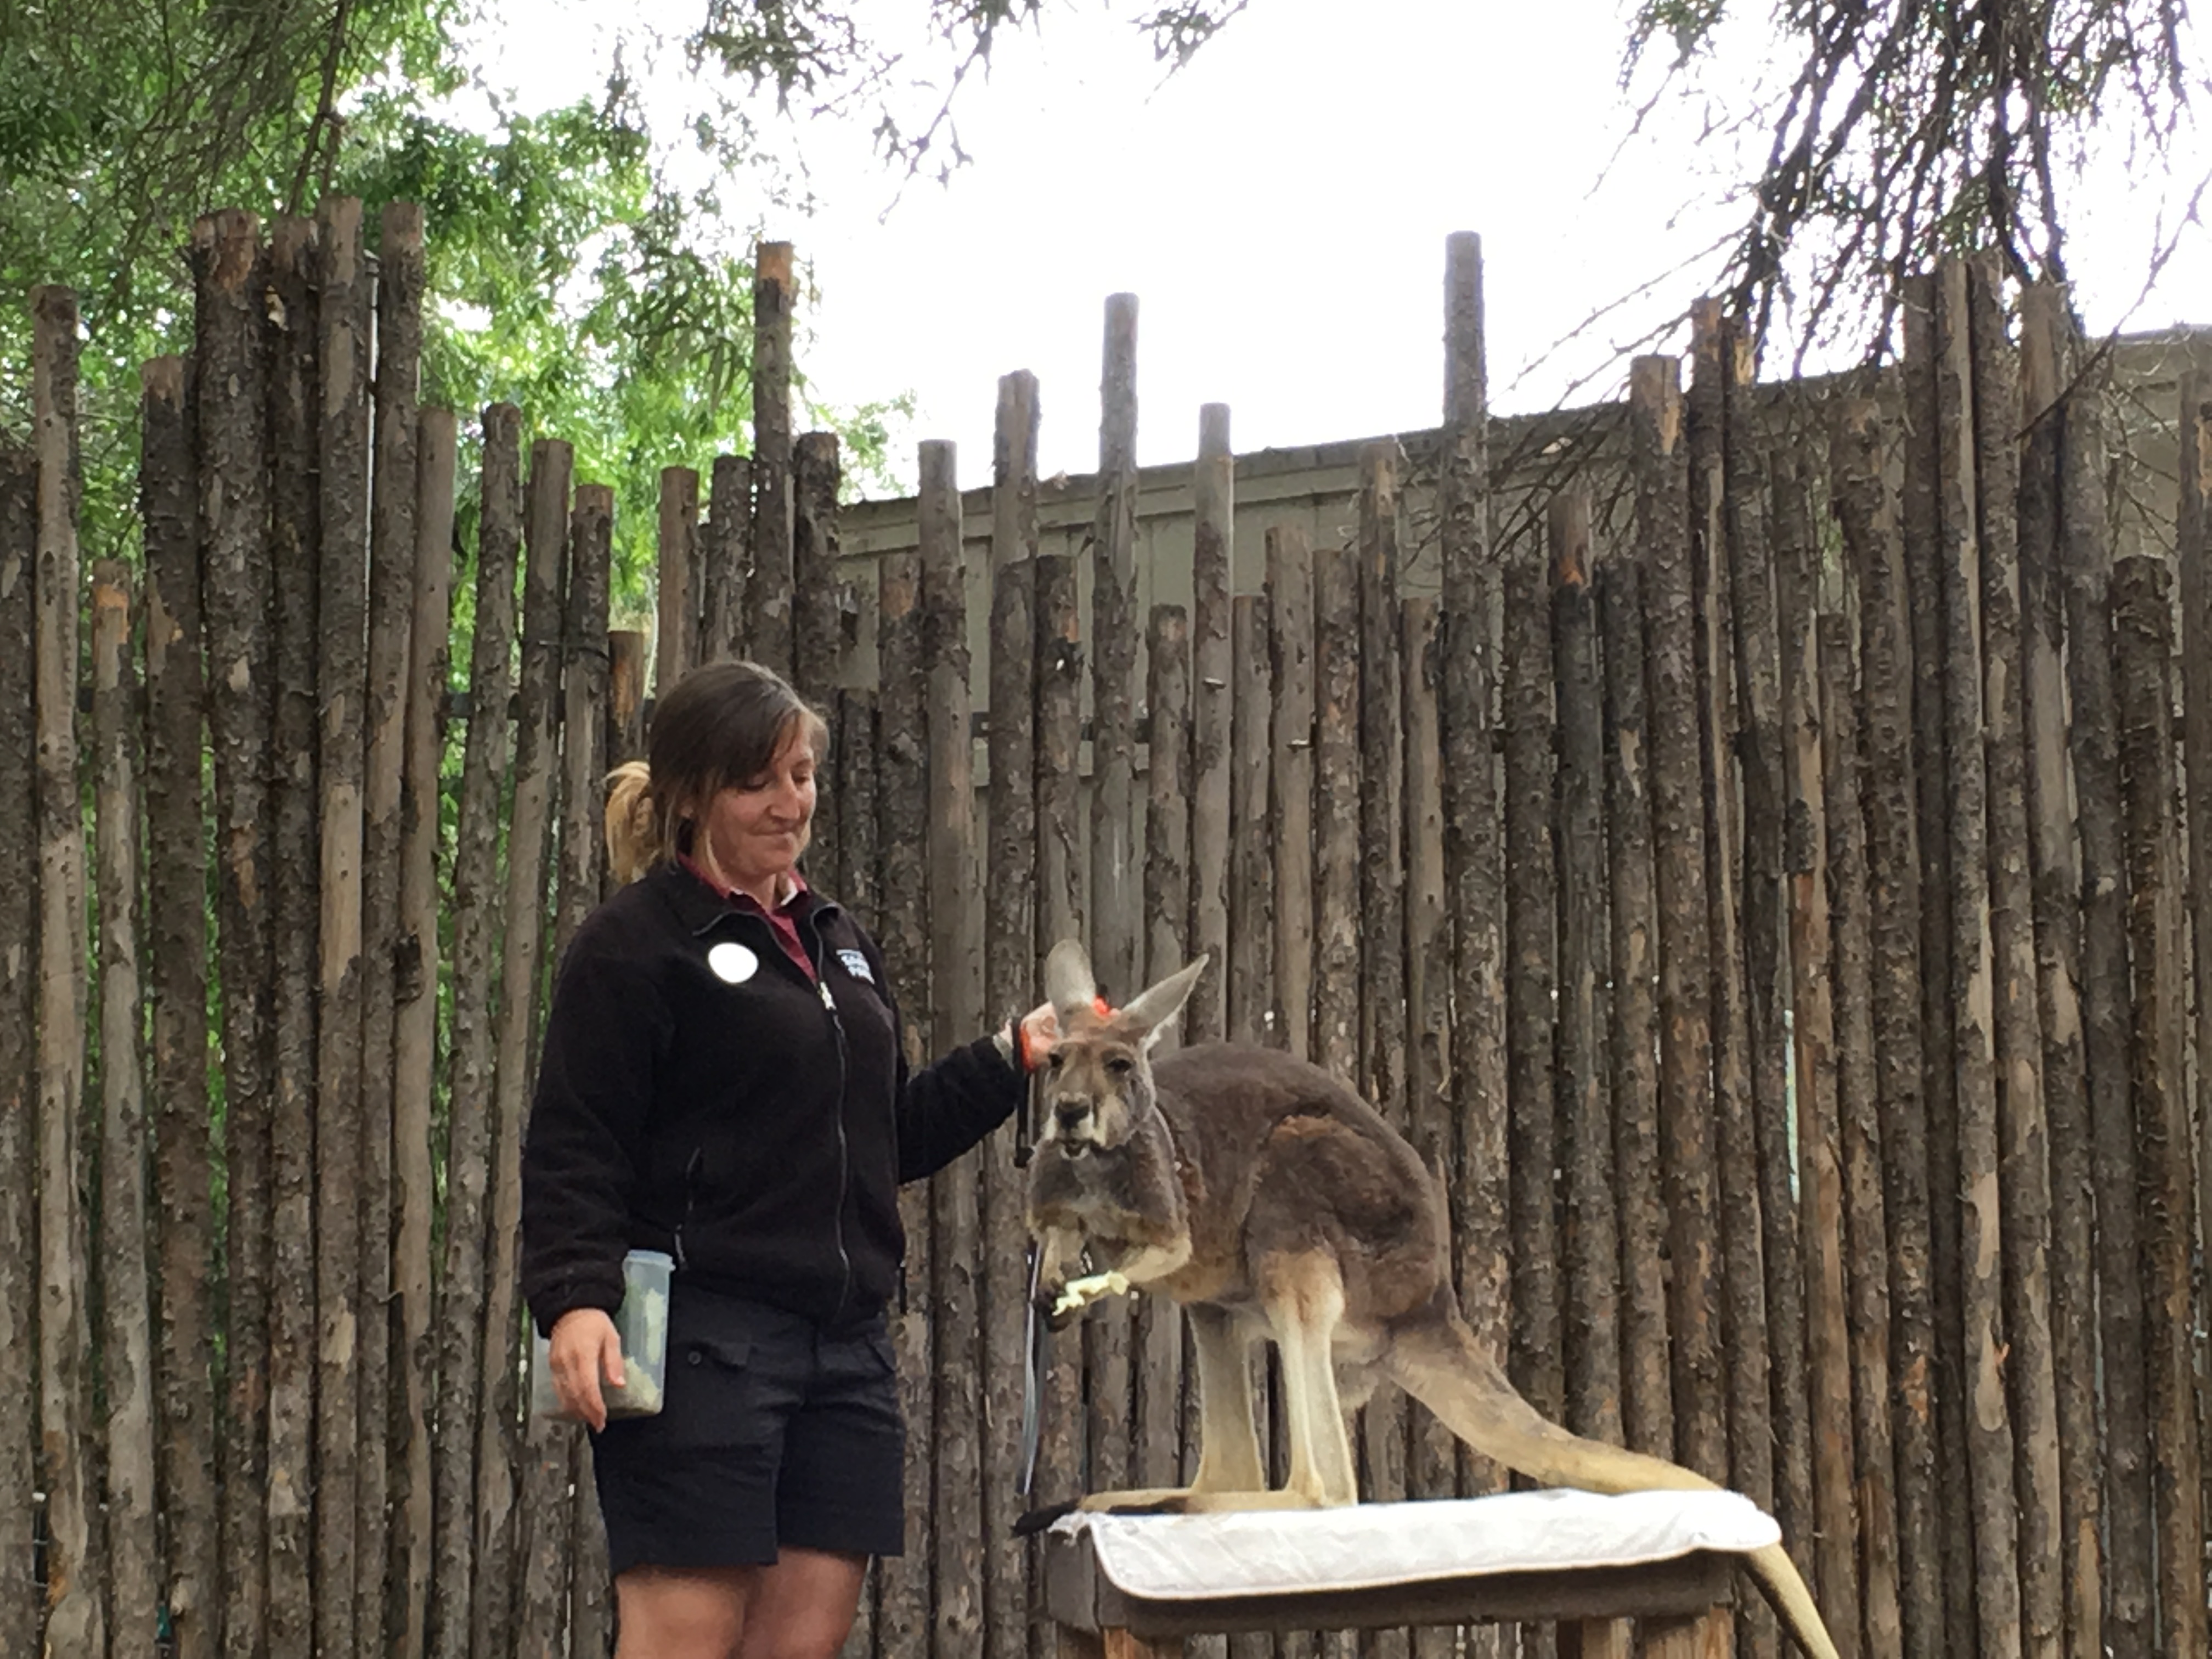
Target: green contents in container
x,y
641,1323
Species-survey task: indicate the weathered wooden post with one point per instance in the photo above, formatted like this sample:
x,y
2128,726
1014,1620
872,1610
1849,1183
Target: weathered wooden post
x,y
1526,709
345,314
133,1555
468,1543
1973,990
1760,754
1472,849
176,927
1336,810
1685,1114
1061,900
2086,569
75,1616
1726,508
818,613
2192,548
1114,889
1834,1518
1250,963
523,1570
626,696
543,1534
818,621
768,589
907,1614
1589,1232
676,578
226,256
583,673
1010,968
956,969
1214,507
1156,1433
1867,1288
1868,508
294,391
1589,1240
725,560
854,741
1290,773
2023,1139
415,1036
1938,1040
2143,638
21,1606
1382,897
1433,1456
2056,877
1647,1396
400,276
1869,856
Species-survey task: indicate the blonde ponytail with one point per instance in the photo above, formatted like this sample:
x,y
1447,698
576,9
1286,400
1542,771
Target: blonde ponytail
x,y
633,822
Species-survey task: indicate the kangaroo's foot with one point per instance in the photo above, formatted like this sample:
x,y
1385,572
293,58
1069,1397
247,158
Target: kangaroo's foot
x,y
1137,1500
1185,1500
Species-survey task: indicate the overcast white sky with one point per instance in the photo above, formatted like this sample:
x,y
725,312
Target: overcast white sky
x,y
1281,208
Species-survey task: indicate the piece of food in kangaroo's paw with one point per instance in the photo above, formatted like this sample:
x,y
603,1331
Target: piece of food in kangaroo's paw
x,y
1079,1293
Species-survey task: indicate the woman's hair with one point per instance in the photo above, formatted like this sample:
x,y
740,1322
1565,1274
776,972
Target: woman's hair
x,y
719,725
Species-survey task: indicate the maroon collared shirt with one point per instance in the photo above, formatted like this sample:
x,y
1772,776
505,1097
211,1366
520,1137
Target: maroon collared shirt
x,y
780,921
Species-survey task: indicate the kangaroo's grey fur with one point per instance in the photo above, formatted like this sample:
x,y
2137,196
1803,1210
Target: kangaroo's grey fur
x,y
1273,1203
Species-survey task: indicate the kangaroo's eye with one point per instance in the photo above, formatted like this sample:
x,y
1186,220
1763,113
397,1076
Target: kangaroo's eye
x,y
1052,1060
1120,1065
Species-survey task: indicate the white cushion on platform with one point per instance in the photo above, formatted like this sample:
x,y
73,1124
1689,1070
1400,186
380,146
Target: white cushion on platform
x,y
1368,1546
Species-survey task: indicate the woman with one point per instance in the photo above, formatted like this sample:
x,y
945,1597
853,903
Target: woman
x,y
722,1079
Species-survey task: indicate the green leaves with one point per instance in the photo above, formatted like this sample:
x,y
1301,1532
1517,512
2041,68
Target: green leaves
x,y
566,274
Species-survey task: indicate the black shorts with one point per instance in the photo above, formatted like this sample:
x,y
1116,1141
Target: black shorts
x,y
773,1434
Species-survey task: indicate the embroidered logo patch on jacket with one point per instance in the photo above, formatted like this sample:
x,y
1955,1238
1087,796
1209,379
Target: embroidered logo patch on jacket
x,y
856,964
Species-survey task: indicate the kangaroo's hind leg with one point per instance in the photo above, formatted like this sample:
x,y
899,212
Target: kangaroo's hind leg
x,y
1305,1303
1228,1439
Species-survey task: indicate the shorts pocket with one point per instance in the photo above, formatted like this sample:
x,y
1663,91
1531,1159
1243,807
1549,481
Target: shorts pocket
x,y
711,1394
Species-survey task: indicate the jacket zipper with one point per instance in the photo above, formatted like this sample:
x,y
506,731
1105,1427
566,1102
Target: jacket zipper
x,y
691,1199
844,1149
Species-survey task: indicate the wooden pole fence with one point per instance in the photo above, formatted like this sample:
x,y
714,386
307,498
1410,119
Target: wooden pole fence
x,y
1760,874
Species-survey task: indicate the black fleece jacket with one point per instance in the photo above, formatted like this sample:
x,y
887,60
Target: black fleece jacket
x,y
697,1094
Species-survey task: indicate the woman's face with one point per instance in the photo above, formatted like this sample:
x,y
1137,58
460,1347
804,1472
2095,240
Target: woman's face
x,y
756,829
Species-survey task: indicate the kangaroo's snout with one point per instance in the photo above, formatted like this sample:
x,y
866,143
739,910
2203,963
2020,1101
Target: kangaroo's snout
x,y
1071,1117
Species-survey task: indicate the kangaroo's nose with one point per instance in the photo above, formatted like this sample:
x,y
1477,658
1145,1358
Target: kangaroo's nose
x,y
1071,1113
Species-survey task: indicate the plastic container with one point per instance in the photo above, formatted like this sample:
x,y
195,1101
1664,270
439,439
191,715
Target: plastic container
x,y
641,1322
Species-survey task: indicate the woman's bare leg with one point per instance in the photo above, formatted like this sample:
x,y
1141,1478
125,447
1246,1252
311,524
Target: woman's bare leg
x,y
803,1606
684,1612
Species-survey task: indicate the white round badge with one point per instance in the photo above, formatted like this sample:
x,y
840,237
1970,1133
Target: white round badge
x,y
733,965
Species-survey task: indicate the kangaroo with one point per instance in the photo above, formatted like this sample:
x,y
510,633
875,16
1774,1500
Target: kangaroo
x,y
1273,1203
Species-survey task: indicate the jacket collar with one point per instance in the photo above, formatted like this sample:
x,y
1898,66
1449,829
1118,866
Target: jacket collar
x,y
699,908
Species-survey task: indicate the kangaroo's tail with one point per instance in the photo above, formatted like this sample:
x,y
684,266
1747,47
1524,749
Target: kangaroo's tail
x,y
1439,1363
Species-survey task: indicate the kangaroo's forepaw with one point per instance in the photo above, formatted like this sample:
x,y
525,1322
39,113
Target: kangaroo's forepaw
x,y
1079,1293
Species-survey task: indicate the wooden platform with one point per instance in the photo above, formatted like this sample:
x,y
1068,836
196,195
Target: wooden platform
x,y
1681,1607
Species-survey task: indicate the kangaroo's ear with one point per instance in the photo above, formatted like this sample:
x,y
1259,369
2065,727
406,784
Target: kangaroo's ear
x,y
1158,1004
1067,982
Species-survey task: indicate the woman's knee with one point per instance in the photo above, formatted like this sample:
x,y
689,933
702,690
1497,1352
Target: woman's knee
x,y
805,1607
668,1613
